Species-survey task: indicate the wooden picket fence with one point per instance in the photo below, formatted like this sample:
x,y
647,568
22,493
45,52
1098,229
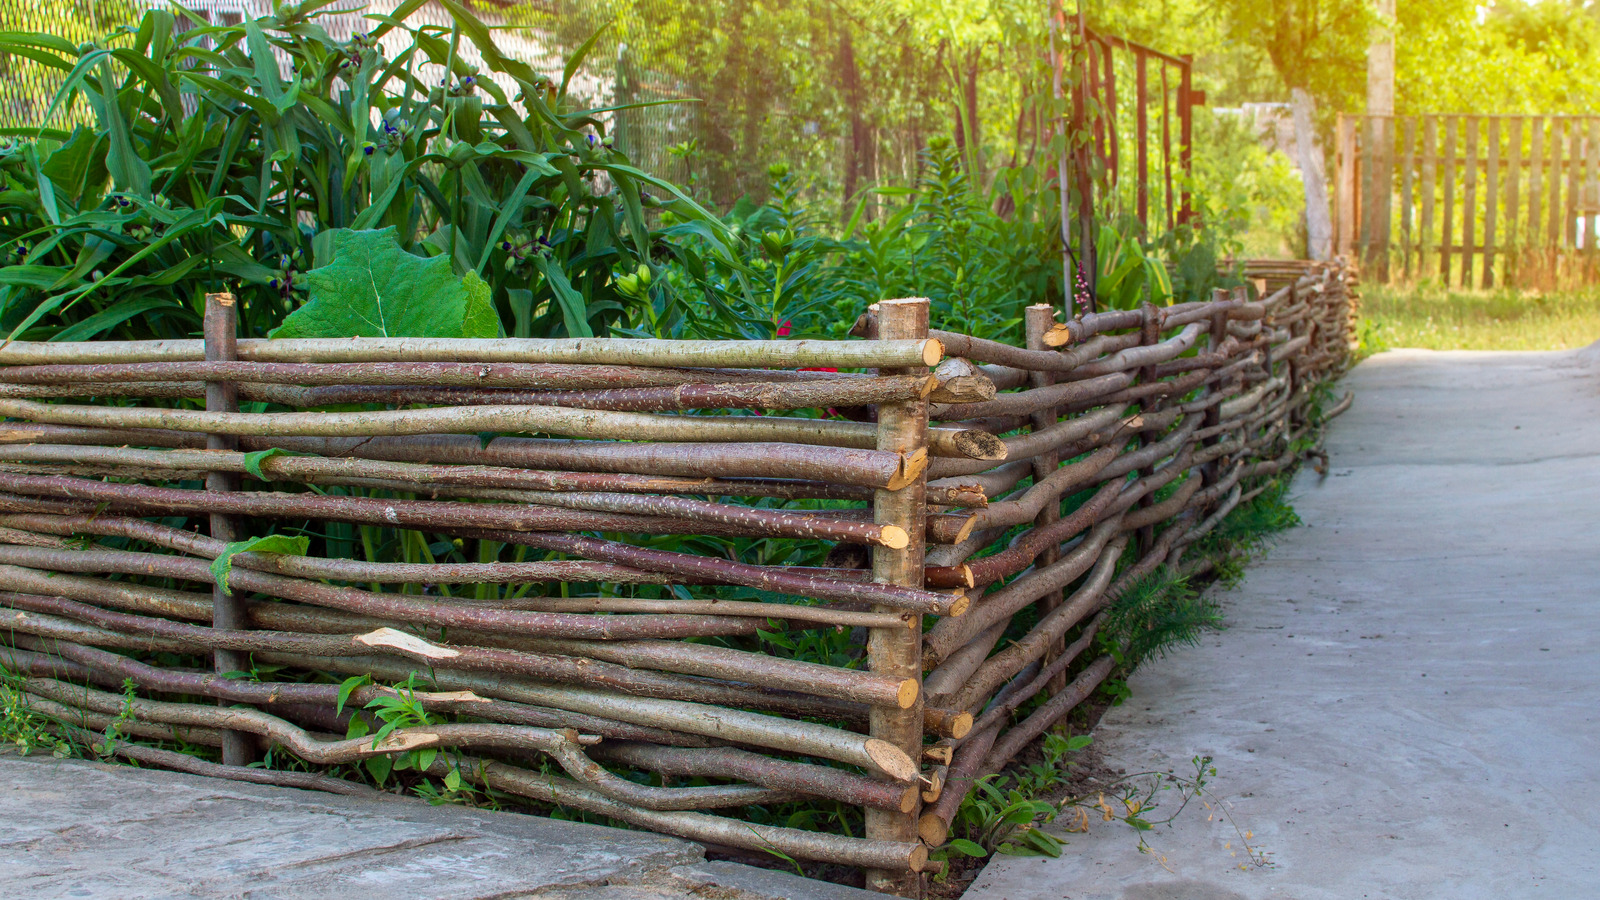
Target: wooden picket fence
x,y
1470,200
1116,439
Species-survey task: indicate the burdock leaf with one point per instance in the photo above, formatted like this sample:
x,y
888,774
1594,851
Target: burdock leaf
x,y
373,288
222,566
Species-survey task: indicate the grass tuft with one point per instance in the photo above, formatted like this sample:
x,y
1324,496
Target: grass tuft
x,y
1432,317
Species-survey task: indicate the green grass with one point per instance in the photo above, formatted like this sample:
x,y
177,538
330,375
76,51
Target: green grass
x,y
1432,317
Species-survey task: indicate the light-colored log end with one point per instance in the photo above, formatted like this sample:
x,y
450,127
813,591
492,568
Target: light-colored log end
x,y
964,533
907,695
891,760
933,787
932,352
1059,335
980,445
932,830
908,800
919,858
894,537
911,465
960,724
939,754
961,604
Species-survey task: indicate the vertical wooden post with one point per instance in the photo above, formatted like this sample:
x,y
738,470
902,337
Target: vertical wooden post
x,y
1383,198
1407,197
1447,230
1574,187
1491,201
1430,165
902,428
1469,199
1366,190
1038,320
221,328
1554,233
1591,194
1345,191
1513,191
1530,237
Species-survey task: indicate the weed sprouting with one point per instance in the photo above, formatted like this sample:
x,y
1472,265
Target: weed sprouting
x,y
1133,799
1157,613
25,728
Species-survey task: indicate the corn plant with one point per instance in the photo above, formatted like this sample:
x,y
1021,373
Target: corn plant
x,y
230,156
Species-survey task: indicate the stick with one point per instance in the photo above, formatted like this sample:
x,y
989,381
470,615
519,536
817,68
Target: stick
x,y
580,423
582,351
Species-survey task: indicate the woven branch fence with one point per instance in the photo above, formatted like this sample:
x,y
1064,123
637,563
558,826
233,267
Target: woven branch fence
x,y
1112,441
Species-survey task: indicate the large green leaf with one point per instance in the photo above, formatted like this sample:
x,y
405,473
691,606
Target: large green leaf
x,y
374,288
222,566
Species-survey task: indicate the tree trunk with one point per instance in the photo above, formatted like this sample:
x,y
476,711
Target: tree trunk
x,y
1380,64
855,142
1313,171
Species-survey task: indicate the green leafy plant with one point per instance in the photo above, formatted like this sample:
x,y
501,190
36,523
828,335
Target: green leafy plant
x,y
1129,273
23,727
227,156
373,288
393,710
1004,812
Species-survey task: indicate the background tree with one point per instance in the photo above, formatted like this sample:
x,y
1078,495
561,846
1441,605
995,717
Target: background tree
x,y
1318,48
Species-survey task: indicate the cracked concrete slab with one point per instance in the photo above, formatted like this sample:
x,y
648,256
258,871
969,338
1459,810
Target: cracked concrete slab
x,y
75,829
1405,703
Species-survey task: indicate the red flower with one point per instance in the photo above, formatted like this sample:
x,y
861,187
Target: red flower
x,y
783,327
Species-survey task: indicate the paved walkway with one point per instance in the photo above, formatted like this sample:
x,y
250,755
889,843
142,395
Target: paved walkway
x,y
1407,702
72,829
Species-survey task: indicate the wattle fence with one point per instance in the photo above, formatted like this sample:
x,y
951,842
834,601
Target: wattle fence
x,y
984,504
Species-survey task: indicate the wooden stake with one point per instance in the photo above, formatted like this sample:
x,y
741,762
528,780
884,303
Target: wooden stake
x,y
228,612
902,428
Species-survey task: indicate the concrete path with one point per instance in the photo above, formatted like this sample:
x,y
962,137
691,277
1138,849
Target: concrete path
x,y
1407,701
71,829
